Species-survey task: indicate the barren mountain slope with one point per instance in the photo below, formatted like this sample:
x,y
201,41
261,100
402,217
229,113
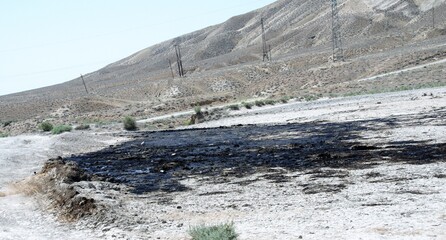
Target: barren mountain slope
x,y
223,62
288,23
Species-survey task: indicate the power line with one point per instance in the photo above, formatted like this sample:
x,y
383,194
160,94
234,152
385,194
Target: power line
x,y
52,70
204,13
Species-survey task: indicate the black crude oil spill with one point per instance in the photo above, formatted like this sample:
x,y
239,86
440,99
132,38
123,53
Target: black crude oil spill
x,y
158,161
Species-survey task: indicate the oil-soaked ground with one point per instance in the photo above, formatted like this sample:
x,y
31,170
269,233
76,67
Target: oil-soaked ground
x,y
158,161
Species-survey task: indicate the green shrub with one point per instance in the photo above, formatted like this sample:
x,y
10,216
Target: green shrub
x,y
46,126
285,99
310,98
7,123
234,107
247,105
61,129
3,135
188,122
270,102
218,232
197,109
82,127
129,123
259,103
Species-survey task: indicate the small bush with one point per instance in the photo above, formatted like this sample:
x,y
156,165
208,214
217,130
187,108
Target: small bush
x,y
197,109
218,232
7,123
188,122
129,123
234,107
61,129
270,102
285,99
46,126
259,103
310,98
247,105
3,135
82,127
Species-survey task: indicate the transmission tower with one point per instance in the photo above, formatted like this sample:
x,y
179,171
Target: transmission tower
x,y
179,61
338,52
265,51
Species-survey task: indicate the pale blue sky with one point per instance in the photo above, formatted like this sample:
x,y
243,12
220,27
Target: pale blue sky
x,y
45,42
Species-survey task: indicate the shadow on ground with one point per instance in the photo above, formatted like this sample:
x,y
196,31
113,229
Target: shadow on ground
x,y
158,161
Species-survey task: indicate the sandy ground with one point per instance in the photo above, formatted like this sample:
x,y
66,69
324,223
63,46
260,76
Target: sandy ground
x,y
386,200
20,157
339,109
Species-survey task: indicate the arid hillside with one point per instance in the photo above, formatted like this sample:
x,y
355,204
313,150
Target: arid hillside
x,y
223,63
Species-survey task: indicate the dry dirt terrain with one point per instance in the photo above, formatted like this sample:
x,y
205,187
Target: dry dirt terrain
x,y
347,168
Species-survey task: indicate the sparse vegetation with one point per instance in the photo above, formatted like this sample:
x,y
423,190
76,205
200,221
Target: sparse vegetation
x,y
7,123
188,122
247,105
259,103
218,232
3,135
197,109
97,122
46,126
309,98
378,90
234,107
285,99
61,129
129,124
82,127
270,102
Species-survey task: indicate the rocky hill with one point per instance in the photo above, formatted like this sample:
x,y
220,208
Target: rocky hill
x,y
223,63
290,25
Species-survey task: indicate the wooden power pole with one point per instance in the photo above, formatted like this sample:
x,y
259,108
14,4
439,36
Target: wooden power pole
x,y
338,52
171,70
83,81
179,61
265,52
433,16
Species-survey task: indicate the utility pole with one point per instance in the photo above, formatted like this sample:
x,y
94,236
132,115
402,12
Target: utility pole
x,y
269,51
83,81
433,16
338,52
171,70
264,44
179,61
